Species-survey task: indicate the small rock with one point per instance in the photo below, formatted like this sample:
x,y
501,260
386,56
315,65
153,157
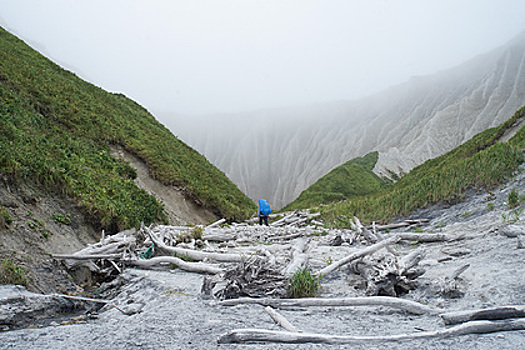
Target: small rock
x,y
54,324
513,231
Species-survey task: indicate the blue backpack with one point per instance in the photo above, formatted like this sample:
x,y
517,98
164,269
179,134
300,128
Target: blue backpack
x,y
264,207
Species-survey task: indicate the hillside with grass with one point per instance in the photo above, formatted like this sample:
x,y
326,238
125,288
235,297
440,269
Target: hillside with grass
x,y
57,131
352,179
485,161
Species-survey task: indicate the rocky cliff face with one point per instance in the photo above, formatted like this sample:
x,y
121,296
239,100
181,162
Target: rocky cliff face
x,y
277,153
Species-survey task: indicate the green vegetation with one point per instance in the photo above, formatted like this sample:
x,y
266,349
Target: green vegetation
x,y
513,199
304,284
38,226
11,273
352,179
481,162
63,219
57,130
5,217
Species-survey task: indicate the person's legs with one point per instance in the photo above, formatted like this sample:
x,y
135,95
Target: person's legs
x,y
266,220
260,220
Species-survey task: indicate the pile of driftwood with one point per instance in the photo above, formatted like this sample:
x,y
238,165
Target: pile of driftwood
x,y
255,260
252,264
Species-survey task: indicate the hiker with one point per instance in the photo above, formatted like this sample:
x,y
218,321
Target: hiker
x,y
264,211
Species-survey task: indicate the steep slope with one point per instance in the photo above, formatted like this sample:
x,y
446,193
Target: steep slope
x,y
483,162
352,179
278,153
58,131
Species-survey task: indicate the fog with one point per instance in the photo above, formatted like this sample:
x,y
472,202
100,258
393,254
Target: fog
x,y
202,57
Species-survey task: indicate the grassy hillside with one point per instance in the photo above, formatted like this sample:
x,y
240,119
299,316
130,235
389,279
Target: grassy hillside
x,y
482,162
352,179
56,129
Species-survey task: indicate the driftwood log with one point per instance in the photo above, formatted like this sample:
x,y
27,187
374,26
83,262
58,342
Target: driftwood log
x,y
280,320
410,306
354,256
472,327
493,313
183,265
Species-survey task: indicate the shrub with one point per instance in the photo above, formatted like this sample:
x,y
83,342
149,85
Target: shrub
x,y
10,273
303,284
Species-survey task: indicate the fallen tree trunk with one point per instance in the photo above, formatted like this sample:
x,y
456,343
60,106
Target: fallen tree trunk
x,y
410,306
183,265
86,257
190,253
424,237
280,320
261,335
369,250
494,313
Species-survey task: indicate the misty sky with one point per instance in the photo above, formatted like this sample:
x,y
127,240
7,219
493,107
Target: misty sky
x,y
200,56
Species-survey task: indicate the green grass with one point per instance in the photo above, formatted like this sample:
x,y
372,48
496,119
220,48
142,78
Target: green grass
x,y
57,131
304,284
352,179
11,273
481,162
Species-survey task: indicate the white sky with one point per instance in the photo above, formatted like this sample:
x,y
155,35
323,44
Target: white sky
x,y
205,56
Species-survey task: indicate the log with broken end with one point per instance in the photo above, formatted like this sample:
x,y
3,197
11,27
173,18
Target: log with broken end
x,y
493,313
280,320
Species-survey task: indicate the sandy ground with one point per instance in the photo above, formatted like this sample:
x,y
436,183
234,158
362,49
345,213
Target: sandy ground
x,y
175,316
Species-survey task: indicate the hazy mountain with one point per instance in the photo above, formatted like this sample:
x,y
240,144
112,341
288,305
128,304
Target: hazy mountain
x,y
277,153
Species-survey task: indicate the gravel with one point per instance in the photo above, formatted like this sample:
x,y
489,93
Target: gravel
x,y
174,315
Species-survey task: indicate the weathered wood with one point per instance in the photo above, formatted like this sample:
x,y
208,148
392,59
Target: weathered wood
x,y
280,320
190,253
218,237
369,250
91,300
473,327
86,257
493,313
424,237
216,223
410,306
299,259
183,265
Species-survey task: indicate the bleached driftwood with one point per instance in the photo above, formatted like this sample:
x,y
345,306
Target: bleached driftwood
x,y
299,259
216,223
410,306
254,277
280,320
183,265
425,237
190,253
91,300
473,327
405,223
369,250
493,313
86,257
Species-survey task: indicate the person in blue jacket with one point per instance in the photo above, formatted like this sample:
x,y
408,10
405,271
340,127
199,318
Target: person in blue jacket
x,y
264,211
